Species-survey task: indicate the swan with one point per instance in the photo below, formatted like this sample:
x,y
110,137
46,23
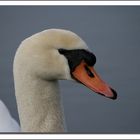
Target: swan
x,y
40,61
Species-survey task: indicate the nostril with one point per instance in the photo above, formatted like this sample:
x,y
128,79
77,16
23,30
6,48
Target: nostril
x,y
89,72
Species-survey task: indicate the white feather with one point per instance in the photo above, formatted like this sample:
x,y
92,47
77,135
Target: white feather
x,y
38,102
7,122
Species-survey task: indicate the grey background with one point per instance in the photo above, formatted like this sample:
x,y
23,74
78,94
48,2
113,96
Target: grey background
x,y
112,33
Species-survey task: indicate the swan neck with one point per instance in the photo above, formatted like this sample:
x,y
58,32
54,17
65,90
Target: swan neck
x,y
39,104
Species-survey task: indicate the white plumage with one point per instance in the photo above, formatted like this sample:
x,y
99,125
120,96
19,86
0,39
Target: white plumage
x,y
7,122
37,67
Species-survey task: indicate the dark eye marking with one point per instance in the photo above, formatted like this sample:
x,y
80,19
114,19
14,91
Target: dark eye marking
x,y
90,74
75,57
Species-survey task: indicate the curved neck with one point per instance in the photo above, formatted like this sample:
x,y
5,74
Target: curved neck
x,y
38,104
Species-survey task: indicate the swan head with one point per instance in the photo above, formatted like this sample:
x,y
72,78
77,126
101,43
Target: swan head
x,y
57,54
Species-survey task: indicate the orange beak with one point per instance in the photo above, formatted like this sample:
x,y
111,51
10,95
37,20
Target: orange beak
x,y
87,75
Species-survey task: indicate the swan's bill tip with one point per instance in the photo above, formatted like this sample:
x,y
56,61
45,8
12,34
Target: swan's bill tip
x,y
114,94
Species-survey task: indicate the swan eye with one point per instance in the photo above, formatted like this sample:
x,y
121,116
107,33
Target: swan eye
x,y
90,74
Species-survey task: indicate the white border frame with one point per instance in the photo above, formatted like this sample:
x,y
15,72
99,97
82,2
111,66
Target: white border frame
x,y
69,136
72,3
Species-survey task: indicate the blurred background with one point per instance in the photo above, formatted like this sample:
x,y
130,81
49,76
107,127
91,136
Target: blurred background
x,y
112,33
